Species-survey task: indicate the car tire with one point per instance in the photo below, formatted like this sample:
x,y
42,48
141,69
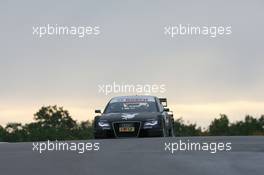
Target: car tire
x,y
171,132
163,131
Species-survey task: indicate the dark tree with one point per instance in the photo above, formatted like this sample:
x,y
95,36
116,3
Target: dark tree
x,y
53,123
84,130
219,127
2,134
181,129
14,132
250,126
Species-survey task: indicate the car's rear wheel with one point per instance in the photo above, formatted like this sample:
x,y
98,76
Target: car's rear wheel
x,y
171,132
163,132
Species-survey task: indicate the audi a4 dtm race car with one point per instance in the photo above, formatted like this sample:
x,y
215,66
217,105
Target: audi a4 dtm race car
x,y
134,116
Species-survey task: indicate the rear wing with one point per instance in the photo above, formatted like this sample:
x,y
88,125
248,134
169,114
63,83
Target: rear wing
x,y
163,101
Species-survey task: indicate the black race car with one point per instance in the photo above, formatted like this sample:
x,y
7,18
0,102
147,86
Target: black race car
x,y
134,116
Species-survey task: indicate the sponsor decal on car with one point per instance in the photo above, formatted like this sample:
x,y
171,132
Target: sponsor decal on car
x,y
136,99
126,116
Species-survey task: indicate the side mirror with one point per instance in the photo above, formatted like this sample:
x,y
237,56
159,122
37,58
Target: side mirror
x,y
166,109
98,111
163,101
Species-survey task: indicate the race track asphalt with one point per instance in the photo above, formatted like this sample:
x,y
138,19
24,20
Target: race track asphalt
x,y
137,156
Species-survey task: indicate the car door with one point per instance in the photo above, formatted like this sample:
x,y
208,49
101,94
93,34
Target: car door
x,y
164,114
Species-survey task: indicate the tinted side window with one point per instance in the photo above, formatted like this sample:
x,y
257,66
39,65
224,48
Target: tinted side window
x,y
160,107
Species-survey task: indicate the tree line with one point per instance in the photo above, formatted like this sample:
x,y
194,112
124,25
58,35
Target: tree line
x,y
55,123
221,126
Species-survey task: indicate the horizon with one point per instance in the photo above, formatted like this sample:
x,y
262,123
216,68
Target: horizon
x,y
82,112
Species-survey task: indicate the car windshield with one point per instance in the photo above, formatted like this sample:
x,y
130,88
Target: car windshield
x,y
131,106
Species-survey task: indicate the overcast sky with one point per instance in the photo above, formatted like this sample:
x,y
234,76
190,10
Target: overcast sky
x,y
203,76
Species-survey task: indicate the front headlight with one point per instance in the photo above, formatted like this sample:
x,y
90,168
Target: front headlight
x,y
103,124
150,123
